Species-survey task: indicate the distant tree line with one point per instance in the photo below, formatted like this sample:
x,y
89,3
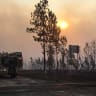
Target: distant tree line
x,y
90,55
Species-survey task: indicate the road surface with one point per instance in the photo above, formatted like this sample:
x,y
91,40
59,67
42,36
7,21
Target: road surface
x,y
27,87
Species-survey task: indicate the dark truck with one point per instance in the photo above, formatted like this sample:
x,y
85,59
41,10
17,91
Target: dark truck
x,y
11,62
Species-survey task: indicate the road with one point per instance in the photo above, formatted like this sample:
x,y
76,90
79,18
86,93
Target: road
x,y
21,86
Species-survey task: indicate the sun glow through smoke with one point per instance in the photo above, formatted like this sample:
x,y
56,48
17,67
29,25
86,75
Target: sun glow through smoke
x,y
63,24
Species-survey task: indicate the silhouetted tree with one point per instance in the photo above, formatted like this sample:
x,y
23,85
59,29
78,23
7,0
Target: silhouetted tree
x,y
44,26
54,33
93,54
39,22
87,55
50,54
87,50
31,60
53,45
63,50
86,62
56,44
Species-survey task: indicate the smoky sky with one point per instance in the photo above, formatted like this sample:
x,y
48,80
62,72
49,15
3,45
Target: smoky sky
x,y
15,16
14,20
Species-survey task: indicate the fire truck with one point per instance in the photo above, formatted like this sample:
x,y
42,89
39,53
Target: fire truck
x,y
11,62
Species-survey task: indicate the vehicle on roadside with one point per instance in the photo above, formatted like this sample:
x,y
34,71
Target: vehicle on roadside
x,y
11,62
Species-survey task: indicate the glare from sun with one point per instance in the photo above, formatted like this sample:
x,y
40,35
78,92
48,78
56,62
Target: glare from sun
x,y
63,24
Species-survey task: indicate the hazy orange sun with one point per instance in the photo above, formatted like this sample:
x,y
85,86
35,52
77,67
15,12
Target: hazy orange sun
x,y
63,24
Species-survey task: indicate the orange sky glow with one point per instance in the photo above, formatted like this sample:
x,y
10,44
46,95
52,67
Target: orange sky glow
x,y
80,16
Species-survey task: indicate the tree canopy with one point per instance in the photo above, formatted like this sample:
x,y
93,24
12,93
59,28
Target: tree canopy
x,y
44,27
